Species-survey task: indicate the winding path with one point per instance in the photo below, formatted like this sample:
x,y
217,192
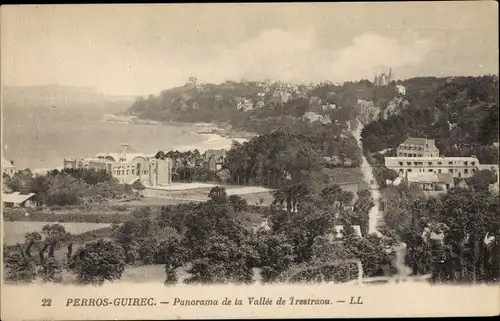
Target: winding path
x,y
376,214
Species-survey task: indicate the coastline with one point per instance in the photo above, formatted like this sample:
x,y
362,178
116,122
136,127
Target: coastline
x,y
215,136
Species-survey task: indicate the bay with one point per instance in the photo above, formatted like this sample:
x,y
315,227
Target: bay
x,y
40,138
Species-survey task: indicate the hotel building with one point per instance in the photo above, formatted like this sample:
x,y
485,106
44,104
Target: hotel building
x,y
128,166
418,147
420,155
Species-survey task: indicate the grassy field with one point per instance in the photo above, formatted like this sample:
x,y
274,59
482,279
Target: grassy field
x,y
14,232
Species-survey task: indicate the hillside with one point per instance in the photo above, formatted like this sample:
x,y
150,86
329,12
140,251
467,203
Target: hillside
x,y
269,104
62,97
460,113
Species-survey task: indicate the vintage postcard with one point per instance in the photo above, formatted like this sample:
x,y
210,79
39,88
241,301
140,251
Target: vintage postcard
x,y
250,160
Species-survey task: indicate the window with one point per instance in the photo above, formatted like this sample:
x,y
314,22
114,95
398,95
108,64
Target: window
x,y
451,170
439,170
440,163
430,163
415,163
408,163
459,174
133,172
466,171
465,163
473,170
419,155
127,171
400,163
473,163
401,170
430,170
450,163
400,154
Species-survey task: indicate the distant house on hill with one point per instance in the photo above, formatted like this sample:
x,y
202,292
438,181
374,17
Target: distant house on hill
x,y
8,167
401,89
17,200
260,104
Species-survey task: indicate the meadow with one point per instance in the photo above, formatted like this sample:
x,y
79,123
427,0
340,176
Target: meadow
x,y
14,232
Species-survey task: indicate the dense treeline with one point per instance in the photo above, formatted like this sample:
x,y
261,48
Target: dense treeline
x,y
455,236
190,166
289,157
460,113
217,103
216,243
67,187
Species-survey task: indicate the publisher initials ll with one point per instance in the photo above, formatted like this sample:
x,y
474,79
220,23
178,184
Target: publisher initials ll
x,y
359,300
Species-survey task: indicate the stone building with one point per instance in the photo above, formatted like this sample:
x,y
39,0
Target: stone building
x,y
128,166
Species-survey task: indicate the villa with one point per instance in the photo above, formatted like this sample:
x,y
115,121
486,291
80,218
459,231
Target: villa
x,y
128,166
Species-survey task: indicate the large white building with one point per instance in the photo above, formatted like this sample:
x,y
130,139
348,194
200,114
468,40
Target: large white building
x,y
420,155
460,167
128,166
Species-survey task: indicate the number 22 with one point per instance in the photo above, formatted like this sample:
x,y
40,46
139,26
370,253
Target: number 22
x,y
46,302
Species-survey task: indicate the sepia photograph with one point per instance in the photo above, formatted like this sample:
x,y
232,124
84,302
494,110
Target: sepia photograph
x,y
250,160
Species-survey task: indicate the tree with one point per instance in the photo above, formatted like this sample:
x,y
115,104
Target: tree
x,y
65,190
99,261
137,185
362,208
276,255
481,180
54,234
19,268
237,203
20,181
50,270
224,261
218,194
30,240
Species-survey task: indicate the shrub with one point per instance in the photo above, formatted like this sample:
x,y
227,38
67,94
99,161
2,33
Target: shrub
x,y
99,261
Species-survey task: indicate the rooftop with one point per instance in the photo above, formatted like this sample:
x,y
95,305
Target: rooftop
x,y
16,197
429,177
415,141
440,158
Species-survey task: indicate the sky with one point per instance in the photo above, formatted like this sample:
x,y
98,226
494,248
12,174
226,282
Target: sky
x,y
144,49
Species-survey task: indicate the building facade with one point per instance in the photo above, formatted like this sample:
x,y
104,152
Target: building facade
x,y
367,111
128,166
214,159
418,147
430,181
459,167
